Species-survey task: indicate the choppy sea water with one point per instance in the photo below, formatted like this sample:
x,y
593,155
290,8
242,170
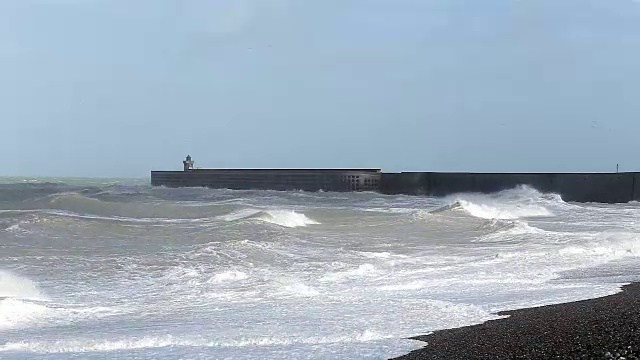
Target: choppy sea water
x,y
121,269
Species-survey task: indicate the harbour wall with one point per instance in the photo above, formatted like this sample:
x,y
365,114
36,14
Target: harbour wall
x,y
341,180
576,187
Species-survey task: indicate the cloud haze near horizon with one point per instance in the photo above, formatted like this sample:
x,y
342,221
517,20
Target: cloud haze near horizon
x,y
117,88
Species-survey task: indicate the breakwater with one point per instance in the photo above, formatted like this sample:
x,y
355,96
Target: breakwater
x,y
577,187
342,180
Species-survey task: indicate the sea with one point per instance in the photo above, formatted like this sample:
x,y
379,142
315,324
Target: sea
x,y
115,268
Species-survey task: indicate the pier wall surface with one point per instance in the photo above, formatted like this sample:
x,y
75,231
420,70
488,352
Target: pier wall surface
x,y
576,187
272,179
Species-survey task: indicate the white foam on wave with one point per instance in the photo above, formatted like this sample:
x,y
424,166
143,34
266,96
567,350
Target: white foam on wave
x,y
383,255
299,289
228,276
285,218
16,296
180,273
361,271
390,210
16,229
607,246
22,304
412,285
522,227
15,312
292,287
178,276
504,211
506,230
149,342
518,203
18,287
422,214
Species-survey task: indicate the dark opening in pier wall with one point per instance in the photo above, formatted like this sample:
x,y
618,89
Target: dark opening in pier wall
x,y
578,187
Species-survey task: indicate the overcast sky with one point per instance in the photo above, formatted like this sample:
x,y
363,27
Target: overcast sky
x,y
117,87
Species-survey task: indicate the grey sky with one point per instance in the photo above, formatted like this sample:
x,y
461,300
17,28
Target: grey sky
x,y
117,88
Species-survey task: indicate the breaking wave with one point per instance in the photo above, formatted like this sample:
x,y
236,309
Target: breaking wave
x,y
504,211
518,203
607,246
506,230
14,286
286,218
19,298
22,304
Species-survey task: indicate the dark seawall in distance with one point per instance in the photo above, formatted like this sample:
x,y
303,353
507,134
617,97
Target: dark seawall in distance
x,y
576,187
339,180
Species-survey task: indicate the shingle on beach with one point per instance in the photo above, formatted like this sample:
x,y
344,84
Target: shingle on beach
x,y
601,328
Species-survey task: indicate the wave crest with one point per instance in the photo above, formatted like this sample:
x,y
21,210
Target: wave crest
x,y
504,211
518,203
286,218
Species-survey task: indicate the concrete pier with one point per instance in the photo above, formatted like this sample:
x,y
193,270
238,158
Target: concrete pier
x,y
576,187
342,180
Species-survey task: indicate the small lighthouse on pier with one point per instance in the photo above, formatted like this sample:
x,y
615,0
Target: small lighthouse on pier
x,y
188,163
